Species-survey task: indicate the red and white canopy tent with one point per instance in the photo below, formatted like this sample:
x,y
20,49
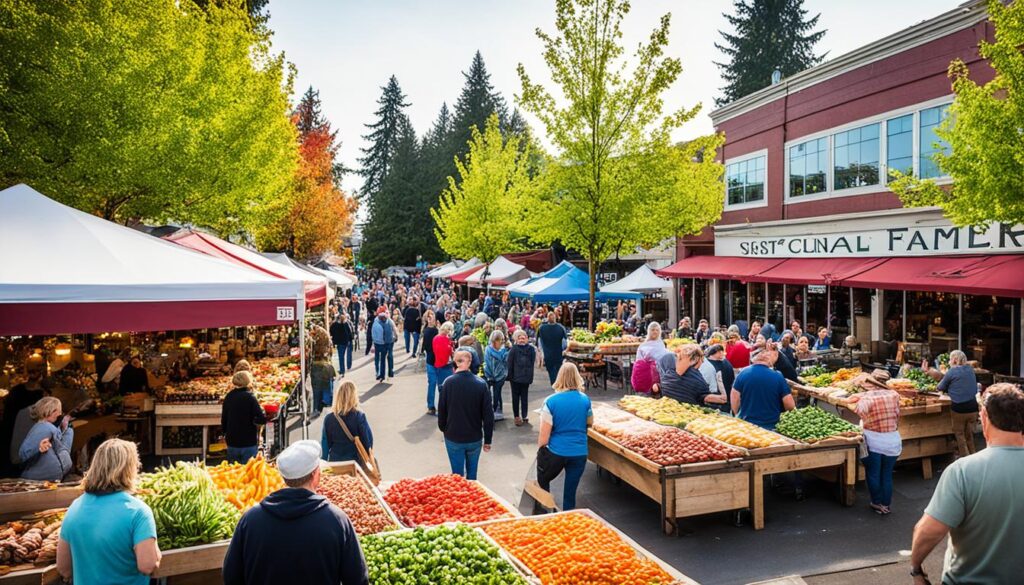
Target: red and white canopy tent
x,y
65,271
501,272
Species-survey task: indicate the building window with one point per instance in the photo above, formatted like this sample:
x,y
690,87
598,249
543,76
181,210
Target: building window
x,y
930,143
745,181
807,164
856,157
899,145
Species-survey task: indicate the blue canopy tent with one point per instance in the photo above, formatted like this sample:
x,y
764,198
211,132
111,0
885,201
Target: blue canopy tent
x,y
564,282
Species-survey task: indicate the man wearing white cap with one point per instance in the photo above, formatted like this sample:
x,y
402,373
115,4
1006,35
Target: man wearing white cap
x,y
295,535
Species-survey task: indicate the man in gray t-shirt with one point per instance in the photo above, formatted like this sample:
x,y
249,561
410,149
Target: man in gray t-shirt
x,y
979,502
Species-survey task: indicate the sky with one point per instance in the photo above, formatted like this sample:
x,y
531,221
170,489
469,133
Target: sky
x,y
348,49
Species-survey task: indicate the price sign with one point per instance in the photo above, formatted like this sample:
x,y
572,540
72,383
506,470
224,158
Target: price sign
x,y
286,313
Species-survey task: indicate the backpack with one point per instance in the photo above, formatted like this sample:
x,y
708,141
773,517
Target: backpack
x,y
645,375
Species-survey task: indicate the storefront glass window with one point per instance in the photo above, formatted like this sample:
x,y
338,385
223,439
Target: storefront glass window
x,y
795,295
930,142
892,311
989,334
701,309
842,318
899,145
808,162
775,306
856,157
861,317
733,295
933,320
757,302
817,295
745,181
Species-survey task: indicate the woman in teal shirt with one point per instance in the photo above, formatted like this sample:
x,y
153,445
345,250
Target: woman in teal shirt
x,y
562,443
120,549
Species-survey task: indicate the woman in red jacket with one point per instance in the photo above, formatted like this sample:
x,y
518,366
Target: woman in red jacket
x,y
737,351
442,346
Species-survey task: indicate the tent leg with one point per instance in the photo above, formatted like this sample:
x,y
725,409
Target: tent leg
x,y
302,373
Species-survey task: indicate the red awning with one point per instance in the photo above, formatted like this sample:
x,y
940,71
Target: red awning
x,y
816,270
461,276
725,267
999,275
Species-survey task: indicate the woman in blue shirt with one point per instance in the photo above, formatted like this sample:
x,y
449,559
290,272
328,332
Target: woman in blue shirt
x,y
335,442
121,549
562,443
824,342
46,450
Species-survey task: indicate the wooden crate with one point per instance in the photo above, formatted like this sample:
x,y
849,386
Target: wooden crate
x,y
677,576
16,505
681,490
512,510
185,415
352,468
33,576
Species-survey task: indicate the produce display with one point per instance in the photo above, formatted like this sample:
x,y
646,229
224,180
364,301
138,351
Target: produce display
x,y
183,437
30,541
813,424
18,486
575,548
844,374
204,389
246,485
618,424
813,371
442,498
735,432
672,446
445,554
273,382
187,506
357,501
663,411
821,380
678,342
921,380
582,336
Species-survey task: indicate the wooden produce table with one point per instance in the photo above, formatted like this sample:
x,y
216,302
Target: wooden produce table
x,y
38,576
16,505
926,430
682,490
169,414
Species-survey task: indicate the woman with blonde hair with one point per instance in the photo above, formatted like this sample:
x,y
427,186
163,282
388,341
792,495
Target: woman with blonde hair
x,y
344,424
562,442
121,548
46,451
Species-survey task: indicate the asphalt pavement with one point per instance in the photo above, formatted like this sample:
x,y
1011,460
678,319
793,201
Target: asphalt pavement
x,y
817,540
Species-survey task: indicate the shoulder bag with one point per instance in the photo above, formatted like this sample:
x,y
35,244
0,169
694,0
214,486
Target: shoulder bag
x,y
368,461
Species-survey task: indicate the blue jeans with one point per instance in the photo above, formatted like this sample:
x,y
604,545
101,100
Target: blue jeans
x,y
495,386
464,457
431,385
344,358
384,355
878,472
442,374
242,454
327,395
550,465
552,367
415,335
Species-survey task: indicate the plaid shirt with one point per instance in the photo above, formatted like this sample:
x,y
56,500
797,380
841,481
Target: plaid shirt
x,y
879,410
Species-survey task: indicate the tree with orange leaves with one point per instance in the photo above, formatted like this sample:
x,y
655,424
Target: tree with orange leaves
x,y
318,214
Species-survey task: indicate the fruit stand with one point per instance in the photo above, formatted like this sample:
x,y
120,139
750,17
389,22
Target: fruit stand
x,y
926,424
717,463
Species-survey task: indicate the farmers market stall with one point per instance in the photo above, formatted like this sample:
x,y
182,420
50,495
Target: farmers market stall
x,y
926,423
717,463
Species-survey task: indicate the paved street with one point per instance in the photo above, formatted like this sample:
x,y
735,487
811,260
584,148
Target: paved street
x,y
817,539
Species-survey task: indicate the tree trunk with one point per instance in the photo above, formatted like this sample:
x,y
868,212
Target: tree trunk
x,y
591,268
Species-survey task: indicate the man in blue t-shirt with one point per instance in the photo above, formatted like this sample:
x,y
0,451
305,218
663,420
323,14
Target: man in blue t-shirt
x,y
760,394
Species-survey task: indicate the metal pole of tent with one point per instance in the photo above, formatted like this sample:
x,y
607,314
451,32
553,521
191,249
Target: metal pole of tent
x,y
302,369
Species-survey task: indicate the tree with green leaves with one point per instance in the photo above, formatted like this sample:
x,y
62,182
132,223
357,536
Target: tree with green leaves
x,y
383,138
484,212
256,9
394,210
983,133
617,180
161,111
768,35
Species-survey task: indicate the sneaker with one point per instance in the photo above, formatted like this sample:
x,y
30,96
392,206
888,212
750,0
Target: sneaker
x,y
519,422
432,411
498,415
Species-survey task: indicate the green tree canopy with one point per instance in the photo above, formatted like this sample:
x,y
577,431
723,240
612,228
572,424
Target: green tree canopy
x,y
156,110
617,181
984,132
769,35
484,212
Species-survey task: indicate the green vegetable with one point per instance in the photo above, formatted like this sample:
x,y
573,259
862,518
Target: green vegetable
x,y
812,424
582,336
445,554
187,506
813,371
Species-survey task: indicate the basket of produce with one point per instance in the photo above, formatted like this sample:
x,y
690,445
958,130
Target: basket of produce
x,y
443,554
245,485
813,424
360,502
444,498
579,547
188,508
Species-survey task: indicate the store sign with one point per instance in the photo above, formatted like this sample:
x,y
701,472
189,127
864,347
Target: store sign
x,y
878,242
286,313
816,289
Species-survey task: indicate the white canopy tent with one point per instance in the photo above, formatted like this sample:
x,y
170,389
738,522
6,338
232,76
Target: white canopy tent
x,y
641,280
284,260
501,272
453,267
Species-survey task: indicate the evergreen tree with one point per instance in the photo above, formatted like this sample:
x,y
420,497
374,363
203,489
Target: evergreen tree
x,y
769,35
383,138
394,210
476,103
